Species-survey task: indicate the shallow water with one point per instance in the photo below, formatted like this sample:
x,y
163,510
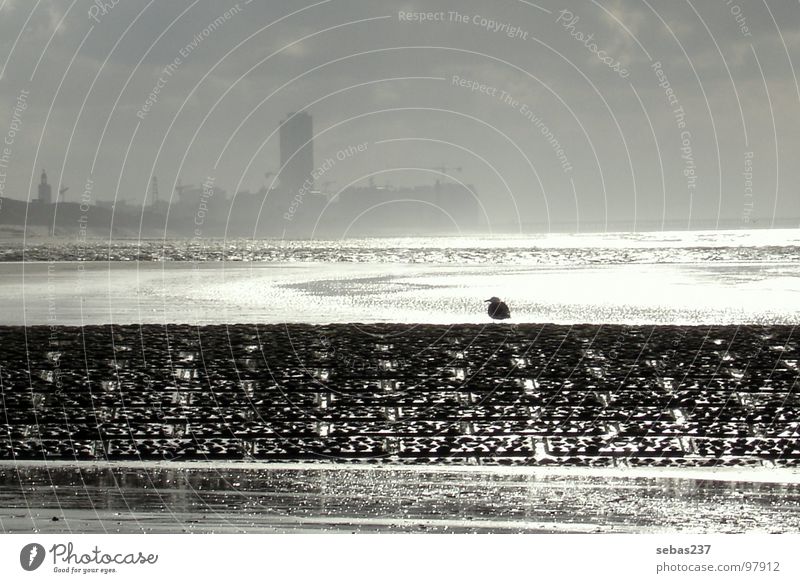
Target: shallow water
x,y
82,293
251,498
562,249
686,277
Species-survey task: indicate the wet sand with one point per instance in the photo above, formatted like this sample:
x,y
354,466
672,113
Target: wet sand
x,y
464,428
205,497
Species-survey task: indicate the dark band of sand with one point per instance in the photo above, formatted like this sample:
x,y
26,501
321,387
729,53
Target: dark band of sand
x,y
467,394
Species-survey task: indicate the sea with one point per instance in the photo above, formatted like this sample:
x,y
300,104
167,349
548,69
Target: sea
x,y
692,277
678,277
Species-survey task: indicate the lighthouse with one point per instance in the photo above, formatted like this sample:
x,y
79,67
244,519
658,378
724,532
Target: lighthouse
x,y
45,191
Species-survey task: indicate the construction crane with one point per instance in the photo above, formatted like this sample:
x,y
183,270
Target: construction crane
x,y
268,175
154,191
443,169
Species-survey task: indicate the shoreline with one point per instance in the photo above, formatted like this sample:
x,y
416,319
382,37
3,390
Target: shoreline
x,y
776,476
404,325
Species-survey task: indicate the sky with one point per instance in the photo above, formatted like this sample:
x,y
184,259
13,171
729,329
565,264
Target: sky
x,y
572,114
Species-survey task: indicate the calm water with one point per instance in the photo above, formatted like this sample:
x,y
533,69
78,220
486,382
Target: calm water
x,y
737,277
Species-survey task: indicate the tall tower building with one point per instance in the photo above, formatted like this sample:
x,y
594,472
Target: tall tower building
x,y
45,191
297,151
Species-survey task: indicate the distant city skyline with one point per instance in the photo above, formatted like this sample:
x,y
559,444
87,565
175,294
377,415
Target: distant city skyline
x,y
575,115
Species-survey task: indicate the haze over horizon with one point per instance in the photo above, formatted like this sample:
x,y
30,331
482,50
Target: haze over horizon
x,y
567,113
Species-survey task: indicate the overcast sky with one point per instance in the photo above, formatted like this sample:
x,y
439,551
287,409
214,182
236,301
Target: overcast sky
x,y
558,112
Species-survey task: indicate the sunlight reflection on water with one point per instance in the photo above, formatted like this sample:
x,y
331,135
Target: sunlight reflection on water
x,y
92,293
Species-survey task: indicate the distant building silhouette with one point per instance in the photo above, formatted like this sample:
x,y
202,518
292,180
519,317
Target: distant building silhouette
x,y
297,152
444,207
45,190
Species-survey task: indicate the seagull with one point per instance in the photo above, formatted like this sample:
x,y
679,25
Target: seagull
x,y
498,310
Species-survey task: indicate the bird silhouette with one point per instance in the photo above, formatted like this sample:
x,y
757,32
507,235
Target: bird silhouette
x,y
498,310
